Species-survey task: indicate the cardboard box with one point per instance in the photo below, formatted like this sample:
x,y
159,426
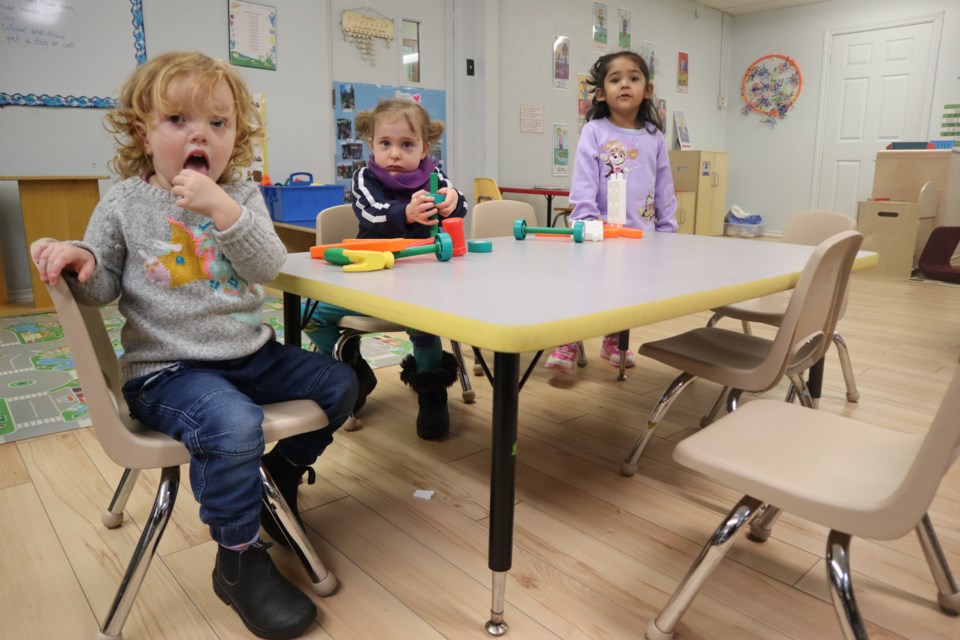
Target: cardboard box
x,y
300,203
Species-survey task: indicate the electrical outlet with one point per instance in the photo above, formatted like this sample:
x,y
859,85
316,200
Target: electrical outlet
x,y
722,102
469,66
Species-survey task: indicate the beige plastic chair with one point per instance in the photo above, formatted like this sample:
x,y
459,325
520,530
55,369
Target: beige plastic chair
x,y
485,190
336,224
744,362
854,478
134,447
810,228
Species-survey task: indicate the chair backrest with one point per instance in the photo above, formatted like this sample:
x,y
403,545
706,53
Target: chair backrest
x,y
486,189
495,218
125,441
937,451
813,227
811,316
335,224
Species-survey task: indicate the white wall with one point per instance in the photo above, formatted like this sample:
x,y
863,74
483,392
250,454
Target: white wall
x,y
47,141
772,170
510,41
526,32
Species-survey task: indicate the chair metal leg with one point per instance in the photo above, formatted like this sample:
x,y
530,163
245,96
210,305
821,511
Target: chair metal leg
x,y
841,588
803,393
629,466
662,627
853,394
112,626
714,319
113,516
469,395
746,327
323,581
733,399
948,596
761,526
711,415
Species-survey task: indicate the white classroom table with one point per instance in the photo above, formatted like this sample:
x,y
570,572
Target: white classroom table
x,y
535,294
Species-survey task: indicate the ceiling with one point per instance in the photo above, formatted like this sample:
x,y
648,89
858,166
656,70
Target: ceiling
x,y
735,7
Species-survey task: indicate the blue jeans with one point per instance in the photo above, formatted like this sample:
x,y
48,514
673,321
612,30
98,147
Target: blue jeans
x,y
213,408
323,332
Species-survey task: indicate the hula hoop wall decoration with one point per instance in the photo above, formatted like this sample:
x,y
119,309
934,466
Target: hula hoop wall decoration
x,y
770,87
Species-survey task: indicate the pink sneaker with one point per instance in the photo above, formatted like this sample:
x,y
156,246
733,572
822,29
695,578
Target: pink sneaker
x,y
563,358
610,351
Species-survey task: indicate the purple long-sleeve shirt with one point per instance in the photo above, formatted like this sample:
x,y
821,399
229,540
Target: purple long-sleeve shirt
x,y
641,156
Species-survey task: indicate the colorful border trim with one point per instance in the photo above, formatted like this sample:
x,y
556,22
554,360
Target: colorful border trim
x,y
44,100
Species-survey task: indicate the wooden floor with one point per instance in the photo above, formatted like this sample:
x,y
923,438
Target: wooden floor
x,y
596,554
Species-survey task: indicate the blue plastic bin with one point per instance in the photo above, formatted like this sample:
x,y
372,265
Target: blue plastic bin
x,y
300,203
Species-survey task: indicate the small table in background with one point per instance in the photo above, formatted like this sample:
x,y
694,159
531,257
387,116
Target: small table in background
x,y
547,192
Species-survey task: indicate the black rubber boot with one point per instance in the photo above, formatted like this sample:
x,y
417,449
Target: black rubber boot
x,y
287,478
269,604
368,381
433,419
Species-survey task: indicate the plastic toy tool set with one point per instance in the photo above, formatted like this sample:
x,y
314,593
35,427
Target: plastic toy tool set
x,y
375,254
447,239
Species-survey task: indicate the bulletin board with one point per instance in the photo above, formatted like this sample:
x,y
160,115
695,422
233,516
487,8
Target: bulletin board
x,y
350,98
68,53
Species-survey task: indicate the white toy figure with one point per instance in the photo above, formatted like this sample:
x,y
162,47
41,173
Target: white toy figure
x,y
593,230
617,199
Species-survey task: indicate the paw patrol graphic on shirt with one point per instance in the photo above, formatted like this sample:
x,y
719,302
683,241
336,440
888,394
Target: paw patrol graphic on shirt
x,y
616,157
648,210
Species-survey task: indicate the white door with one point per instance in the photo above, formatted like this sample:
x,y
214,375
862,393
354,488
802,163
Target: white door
x,y
879,88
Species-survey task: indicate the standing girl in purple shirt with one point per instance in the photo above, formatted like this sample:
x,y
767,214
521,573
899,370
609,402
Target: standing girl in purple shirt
x,y
622,136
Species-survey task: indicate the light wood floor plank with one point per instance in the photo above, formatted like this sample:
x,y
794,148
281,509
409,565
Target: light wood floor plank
x,y
596,555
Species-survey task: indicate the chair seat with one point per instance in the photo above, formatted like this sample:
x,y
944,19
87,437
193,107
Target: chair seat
x,y
155,450
727,357
367,324
833,470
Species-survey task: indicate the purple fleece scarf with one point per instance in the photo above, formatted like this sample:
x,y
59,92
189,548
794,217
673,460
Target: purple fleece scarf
x,y
409,182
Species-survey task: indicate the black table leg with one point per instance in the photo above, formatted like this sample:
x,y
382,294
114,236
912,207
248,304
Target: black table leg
x,y
506,390
549,210
815,382
291,319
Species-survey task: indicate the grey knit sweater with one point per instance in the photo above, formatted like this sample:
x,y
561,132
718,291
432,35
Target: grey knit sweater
x,y
187,290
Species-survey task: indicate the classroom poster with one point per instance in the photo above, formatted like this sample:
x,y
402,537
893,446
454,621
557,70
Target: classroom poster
x,y
683,71
258,168
531,118
683,134
584,99
561,150
352,153
661,109
624,17
561,62
648,53
600,26
253,35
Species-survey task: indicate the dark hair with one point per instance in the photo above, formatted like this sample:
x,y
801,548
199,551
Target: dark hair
x,y
647,115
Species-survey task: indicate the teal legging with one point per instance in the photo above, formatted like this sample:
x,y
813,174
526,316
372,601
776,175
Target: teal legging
x,y
323,332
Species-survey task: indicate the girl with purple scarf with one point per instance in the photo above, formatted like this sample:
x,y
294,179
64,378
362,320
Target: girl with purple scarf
x,y
392,200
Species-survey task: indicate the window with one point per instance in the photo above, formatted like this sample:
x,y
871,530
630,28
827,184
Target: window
x,y
411,50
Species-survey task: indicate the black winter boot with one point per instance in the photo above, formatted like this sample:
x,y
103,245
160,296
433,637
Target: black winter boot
x,y
287,478
433,419
269,604
368,381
